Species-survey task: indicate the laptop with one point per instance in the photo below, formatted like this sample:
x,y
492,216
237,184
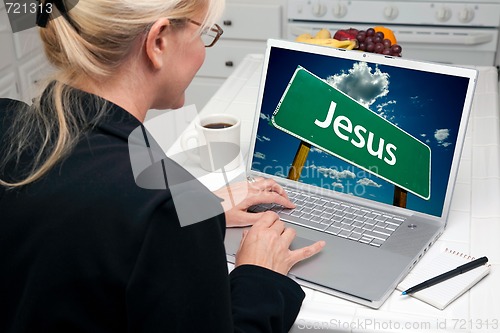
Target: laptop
x,y
367,146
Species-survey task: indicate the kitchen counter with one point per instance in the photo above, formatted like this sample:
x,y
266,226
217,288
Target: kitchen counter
x,y
473,227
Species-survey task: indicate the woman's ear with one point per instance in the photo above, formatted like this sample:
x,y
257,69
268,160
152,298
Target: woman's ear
x,y
156,42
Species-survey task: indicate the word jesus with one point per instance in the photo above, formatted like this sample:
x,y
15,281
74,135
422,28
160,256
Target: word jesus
x,y
343,128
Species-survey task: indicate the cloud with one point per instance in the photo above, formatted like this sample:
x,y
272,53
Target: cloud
x,y
263,138
316,150
368,182
386,110
386,103
338,185
420,102
380,107
362,83
264,116
441,135
415,100
335,174
259,155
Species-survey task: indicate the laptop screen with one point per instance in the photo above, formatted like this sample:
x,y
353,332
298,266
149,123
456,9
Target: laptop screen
x,y
394,137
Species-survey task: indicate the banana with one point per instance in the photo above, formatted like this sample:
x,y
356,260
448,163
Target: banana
x,y
323,33
354,44
303,37
344,44
323,38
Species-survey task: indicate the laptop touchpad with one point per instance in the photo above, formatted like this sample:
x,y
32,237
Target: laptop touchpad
x,y
300,242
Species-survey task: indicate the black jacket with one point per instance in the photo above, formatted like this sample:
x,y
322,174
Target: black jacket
x,y
85,249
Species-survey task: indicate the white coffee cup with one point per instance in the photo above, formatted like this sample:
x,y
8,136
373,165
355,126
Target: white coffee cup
x,y
218,142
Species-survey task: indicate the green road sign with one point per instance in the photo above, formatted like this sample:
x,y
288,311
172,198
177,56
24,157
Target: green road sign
x,y
317,113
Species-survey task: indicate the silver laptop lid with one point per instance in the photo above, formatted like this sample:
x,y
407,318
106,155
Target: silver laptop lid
x,y
398,111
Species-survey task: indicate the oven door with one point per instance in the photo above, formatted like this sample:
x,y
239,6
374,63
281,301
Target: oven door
x,y
467,46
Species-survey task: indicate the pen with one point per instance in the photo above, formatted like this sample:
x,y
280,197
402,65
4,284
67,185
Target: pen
x,y
445,276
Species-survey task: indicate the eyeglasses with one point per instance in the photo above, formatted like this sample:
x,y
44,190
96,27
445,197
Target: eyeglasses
x,y
210,35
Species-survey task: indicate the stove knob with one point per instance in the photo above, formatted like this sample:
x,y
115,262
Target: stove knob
x,y
443,14
339,10
466,15
391,12
319,9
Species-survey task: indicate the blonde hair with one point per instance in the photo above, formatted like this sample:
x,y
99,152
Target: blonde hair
x,y
93,44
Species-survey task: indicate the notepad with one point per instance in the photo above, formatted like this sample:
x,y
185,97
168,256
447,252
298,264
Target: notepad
x,y
442,294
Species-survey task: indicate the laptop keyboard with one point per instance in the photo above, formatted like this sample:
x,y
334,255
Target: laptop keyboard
x,y
337,218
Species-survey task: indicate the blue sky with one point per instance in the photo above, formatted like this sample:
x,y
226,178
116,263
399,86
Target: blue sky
x,y
426,105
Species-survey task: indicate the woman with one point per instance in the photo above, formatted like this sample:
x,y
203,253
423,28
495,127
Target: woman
x,y
83,249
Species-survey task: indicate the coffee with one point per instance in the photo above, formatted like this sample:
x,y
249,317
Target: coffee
x,y
217,125
217,138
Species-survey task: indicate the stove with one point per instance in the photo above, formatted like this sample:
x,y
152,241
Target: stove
x,y
449,31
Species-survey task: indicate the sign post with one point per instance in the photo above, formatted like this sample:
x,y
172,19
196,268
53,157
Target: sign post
x,y
299,161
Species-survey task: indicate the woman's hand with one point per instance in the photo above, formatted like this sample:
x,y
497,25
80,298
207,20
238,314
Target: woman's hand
x,y
267,244
240,196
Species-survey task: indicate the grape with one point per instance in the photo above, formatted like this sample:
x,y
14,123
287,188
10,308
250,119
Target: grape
x,y
396,49
361,36
370,40
379,47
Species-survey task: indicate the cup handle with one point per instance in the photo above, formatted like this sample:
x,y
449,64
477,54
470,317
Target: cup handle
x,y
188,136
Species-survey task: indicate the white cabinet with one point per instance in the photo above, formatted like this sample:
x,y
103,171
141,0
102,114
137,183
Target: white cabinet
x,y
8,87
8,78
32,74
226,55
252,21
247,25
23,63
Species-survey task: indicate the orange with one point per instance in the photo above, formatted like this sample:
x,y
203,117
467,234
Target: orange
x,y
388,33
